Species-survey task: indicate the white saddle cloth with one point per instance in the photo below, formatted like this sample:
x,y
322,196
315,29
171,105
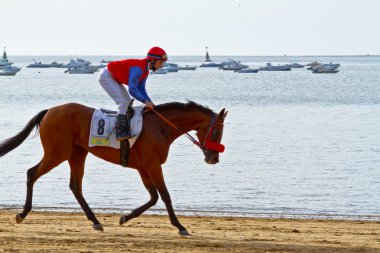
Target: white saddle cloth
x,y
103,132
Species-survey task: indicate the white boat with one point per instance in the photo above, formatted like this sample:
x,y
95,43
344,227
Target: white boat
x,y
160,71
79,63
54,64
211,65
330,65
4,72
187,67
81,70
248,70
9,71
294,65
270,67
313,64
326,71
170,67
233,65
97,67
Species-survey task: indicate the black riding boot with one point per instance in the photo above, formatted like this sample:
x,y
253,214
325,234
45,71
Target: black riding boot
x,y
122,128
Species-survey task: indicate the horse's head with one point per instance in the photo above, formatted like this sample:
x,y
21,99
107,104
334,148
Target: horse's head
x,y
210,137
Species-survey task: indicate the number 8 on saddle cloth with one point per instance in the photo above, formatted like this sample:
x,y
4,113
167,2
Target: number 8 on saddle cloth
x,y
102,131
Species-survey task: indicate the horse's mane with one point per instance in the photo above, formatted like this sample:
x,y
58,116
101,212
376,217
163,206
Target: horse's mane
x,y
189,106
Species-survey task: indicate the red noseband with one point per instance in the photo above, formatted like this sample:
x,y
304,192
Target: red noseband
x,y
215,146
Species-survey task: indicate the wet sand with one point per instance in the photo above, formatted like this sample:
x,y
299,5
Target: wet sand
x,y
72,232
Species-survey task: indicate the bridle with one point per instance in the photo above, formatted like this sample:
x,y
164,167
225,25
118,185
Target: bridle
x,y
209,142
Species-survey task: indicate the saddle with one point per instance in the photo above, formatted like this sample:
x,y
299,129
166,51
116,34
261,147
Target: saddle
x,y
103,132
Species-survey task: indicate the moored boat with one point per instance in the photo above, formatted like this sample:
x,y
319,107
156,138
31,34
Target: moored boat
x,y
79,63
170,67
326,71
248,70
211,65
330,65
159,71
233,65
294,65
9,71
82,70
187,67
270,67
54,64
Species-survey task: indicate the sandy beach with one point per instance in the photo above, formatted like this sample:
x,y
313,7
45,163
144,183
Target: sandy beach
x,y
72,232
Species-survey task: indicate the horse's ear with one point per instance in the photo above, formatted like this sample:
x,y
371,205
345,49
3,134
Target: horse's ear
x,y
223,113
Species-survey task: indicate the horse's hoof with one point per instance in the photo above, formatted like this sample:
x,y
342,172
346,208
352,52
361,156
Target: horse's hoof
x,y
123,219
183,232
98,227
19,218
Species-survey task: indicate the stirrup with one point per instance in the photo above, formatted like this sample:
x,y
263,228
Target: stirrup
x,y
122,136
120,139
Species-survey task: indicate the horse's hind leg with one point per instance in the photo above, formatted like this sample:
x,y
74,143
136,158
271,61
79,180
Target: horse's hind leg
x,y
33,175
153,199
77,161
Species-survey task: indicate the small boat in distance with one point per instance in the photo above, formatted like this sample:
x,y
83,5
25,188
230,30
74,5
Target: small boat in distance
x,y
324,67
36,64
326,71
79,63
159,71
81,70
170,67
248,70
105,61
211,65
9,71
270,67
187,67
294,65
233,65
313,64
4,72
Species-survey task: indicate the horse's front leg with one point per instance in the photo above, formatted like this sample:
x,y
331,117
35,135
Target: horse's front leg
x,y
153,198
157,178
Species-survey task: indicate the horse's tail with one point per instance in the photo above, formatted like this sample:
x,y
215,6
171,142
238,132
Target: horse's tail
x,y
13,142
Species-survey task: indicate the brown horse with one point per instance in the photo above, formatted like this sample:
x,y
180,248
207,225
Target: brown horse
x,y
64,133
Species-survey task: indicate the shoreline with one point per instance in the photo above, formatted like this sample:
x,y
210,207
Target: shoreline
x,y
72,232
216,214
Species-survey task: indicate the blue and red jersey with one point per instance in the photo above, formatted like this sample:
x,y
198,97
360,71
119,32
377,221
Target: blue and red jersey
x,y
131,72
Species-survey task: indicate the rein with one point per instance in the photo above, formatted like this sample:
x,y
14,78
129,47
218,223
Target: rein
x,y
208,144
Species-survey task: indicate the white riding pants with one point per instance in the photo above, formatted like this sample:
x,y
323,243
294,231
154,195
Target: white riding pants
x,y
117,91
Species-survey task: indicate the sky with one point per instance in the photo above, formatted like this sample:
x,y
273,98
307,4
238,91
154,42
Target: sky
x,y
226,27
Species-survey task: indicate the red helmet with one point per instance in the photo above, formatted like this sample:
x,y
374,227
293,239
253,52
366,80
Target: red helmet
x,y
157,53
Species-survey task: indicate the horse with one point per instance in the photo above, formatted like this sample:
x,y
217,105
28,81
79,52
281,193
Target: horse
x,y
64,134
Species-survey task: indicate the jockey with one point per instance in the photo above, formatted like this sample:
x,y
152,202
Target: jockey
x,y
133,73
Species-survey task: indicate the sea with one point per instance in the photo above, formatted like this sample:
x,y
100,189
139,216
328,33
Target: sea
x,y
298,144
